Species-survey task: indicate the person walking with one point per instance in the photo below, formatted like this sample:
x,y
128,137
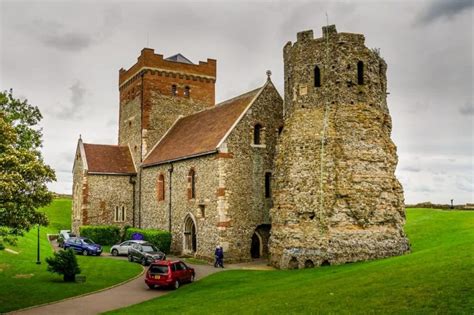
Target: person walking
x,y
219,255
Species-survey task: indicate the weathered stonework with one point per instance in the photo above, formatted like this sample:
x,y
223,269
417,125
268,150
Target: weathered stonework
x,y
353,210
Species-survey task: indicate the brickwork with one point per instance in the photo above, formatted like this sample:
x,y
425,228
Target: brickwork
x,y
359,214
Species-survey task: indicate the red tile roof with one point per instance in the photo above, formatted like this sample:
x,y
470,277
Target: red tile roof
x,y
199,133
108,159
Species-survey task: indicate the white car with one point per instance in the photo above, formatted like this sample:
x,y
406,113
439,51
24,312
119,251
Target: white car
x,y
122,248
64,235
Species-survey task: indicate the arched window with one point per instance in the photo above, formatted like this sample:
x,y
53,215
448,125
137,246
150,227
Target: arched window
x,y
116,214
317,77
174,90
360,73
161,188
187,91
192,184
122,214
257,133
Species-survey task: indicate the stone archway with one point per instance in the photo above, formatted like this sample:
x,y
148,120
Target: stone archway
x,y
190,237
259,241
256,246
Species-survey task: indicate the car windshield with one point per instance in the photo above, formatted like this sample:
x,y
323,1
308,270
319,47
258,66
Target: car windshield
x,y
88,241
158,269
149,248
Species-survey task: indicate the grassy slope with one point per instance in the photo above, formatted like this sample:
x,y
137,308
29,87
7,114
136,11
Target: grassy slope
x,y
44,286
438,276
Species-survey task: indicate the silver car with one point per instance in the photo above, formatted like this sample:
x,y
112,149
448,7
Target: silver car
x,y
122,248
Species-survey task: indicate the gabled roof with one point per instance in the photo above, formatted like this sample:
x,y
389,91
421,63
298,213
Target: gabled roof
x,y
201,133
107,159
179,58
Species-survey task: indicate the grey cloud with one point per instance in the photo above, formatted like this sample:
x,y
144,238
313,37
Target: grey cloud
x,y
467,109
410,168
72,111
67,41
443,9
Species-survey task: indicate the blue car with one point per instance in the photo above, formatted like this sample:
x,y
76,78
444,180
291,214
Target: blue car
x,y
83,245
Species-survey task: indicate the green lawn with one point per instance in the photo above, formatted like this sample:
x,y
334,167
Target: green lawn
x,y
437,277
23,283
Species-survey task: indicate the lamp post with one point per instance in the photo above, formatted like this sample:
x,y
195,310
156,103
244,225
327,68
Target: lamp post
x,y
38,261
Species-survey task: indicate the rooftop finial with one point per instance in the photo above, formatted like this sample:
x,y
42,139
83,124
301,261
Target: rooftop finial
x,y
269,74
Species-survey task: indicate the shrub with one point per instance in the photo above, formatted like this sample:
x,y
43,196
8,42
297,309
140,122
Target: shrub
x,y
101,234
64,263
159,238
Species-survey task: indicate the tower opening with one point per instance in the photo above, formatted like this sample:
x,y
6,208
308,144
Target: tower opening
x,y
317,77
360,73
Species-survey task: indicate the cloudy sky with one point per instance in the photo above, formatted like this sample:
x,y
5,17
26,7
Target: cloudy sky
x,y
64,57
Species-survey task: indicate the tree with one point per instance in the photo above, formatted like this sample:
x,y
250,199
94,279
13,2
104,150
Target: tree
x,y
64,263
23,173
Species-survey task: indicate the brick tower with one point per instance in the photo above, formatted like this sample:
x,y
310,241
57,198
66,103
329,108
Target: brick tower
x,y
337,198
155,91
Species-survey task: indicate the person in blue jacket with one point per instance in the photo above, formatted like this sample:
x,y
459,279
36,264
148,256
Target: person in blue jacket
x,y
219,255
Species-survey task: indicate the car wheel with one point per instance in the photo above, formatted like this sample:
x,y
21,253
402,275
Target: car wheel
x,y
130,258
114,252
84,252
151,286
192,278
143,261
176,285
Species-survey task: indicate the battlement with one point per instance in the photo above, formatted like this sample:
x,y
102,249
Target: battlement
x,y
149,60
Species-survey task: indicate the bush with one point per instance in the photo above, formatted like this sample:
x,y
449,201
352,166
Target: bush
x,y
64,263
101,234
159,238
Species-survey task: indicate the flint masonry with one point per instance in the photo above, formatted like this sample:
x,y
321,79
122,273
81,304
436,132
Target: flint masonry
x,y
305,181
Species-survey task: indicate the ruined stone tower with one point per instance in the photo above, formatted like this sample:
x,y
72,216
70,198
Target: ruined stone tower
x,y
336,196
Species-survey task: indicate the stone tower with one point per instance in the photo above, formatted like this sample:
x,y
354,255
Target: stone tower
x,y
337,199
155,91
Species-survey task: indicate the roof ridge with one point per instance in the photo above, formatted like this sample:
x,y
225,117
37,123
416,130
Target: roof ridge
x,y
108,145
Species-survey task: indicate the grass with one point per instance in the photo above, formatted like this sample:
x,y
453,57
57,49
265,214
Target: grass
x,y
436,277
24,283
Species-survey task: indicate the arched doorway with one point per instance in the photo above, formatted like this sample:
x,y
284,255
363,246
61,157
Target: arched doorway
x,y
190,241
256,246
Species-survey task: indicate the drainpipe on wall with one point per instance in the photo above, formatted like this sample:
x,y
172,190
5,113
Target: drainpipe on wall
x,y
170,170
133,181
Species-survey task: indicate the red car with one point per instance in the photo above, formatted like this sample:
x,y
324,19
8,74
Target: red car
x,y
166,273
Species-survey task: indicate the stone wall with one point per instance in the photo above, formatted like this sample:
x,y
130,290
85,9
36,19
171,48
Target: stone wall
x,y
337,198
244,173
130,125
79,191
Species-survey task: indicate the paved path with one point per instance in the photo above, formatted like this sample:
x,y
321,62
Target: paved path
x,y
132,292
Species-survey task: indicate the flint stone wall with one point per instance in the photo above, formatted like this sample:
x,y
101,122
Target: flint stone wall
x,y
360,213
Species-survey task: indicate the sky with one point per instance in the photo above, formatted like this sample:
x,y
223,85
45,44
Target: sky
x,y
64,57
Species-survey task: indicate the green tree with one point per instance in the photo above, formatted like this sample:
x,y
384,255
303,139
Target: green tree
x,y
64,263
23,173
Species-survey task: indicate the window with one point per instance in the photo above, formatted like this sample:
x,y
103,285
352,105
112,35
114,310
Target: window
x,y
116,214
122,214
192,184
317,77
160,187
257,130
174,90
360,73
268,184
280,130
187,91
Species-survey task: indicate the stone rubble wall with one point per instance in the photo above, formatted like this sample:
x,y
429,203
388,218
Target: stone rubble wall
x,y
360,213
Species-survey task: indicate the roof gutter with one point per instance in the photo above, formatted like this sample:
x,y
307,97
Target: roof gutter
x,y
180,158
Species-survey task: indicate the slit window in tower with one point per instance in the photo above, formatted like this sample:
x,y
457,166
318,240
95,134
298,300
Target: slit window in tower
x,y
268,181
174,90
360,73
317,77
186,91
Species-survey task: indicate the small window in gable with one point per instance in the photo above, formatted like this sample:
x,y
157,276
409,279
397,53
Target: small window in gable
x,y
257,134
317,77
160,187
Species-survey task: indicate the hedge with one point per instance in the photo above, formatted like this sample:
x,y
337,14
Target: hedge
x,y
159,238
101,234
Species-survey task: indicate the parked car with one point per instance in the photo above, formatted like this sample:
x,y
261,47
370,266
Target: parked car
x,y
63,236
166,273
145,253
83,245
122,248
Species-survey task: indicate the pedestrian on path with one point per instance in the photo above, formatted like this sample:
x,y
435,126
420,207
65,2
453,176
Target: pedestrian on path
x,y
219,255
